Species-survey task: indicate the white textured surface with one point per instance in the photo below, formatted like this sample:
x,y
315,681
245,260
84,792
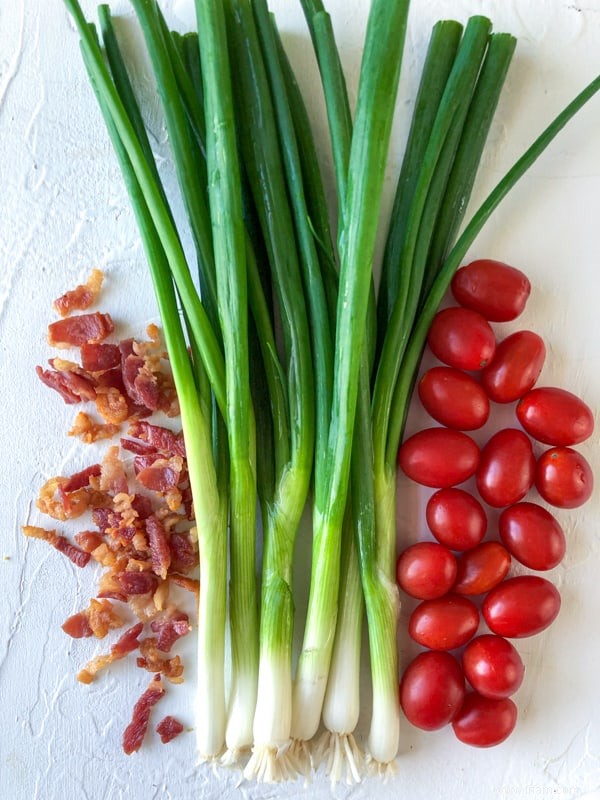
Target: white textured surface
x,y
63,209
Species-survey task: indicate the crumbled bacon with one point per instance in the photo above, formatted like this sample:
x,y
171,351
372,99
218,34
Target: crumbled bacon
x,y
127,643
54,501
80,329
80,479
78,626
90,431
138,447
81,297
184,555
159,546
142,462
168,728
72,387
191,584
98,357
142,505
136,730
111,405
112,476
169,629
138,582
88,540
159,437
162,475
152,661
63,545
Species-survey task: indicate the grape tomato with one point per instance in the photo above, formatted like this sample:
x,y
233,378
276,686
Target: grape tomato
x,y
564,478
432,690
555,416
493,666
462,338
482,568
456,518
439,457
444,623
496,290
506,469
484,721
426,570
454,398
521,606
532,535
515,368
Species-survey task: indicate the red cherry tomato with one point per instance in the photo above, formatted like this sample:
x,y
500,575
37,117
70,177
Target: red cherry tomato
x,y
564,478
507,468
494,289
462,338
426,570
521,606
493,666
515,368
439,457
454,398
532,535
444,623
484,722
432,690
555,416
456,519
481,568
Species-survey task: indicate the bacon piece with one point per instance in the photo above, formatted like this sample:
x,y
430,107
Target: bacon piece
x,y
142,462
80,479
77,556
98,357
103,618
138,447
159,546
136,730
142,505
110,588
88,540
73,388
78,626
190,584
138,582
80,329
169,629
90,431
160,438
81,297
162,475
112,405
128,641
152,661
168,728
105,518
184,555
112,476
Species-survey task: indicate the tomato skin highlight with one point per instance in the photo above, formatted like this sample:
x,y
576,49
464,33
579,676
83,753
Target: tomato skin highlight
x,y
483,721
515,368
521,606
462,338
454,398
493,666
426,570
444,623
432,690
564,478
439,457
532,535
481,568
456,518
496,290
555,416
506,469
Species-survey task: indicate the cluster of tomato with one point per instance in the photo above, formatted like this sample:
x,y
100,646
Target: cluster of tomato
x,y
447,573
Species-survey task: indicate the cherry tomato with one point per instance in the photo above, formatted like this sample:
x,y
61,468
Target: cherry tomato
x,y
507,468
426,570
432,690
494,289
521,606
439,457
462,338
564,478
483,721
454,398
555,416
481,568
444,623
493,666
456,518
515,368
532,535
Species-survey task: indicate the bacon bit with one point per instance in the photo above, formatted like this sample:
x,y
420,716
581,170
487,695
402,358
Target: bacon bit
x,y
72,388
128,641
103,618
137,447
190,584
91,669
159,546
112,378
162,475
161,595
110,588
88,540
90,431
160,438
142,505
138,582
80,479
81,329
168,728
112,476
81,297
152,661
136,730
142,462
184,555
111,405
100,357
103,555
105,518
60,543
78,626
67,506
169,629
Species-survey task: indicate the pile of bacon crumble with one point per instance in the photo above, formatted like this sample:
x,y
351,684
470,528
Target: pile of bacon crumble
x,y
138,499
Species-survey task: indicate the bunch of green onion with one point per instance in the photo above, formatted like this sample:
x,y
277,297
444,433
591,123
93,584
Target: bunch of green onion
x,y
293,374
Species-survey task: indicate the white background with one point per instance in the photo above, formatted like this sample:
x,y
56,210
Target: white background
x,y
63,209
